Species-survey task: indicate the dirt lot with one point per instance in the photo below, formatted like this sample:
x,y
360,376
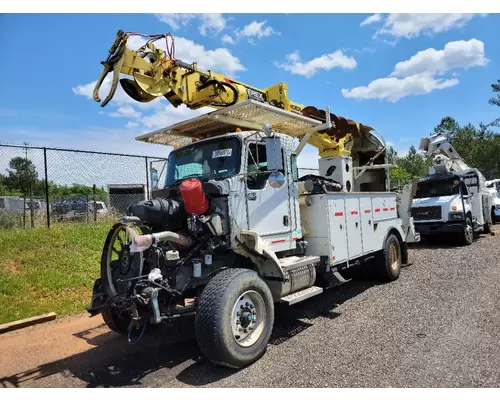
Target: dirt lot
x,y
438,325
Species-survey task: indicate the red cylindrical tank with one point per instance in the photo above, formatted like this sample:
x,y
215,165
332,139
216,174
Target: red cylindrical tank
x,y
195,200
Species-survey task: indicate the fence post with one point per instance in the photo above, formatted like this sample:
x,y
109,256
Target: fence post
x,y
147,179
94,200
46,186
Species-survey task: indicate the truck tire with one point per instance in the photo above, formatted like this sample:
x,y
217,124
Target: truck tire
x,y
235,318
388,263
115,322
487,227
467,235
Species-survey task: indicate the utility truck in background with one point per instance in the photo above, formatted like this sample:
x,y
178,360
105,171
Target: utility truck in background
x,y
453,199
494,188
234,230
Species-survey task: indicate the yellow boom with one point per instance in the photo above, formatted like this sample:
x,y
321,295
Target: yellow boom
x,y
156,73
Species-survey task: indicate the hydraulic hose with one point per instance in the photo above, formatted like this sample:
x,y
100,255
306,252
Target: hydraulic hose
x,y
221,85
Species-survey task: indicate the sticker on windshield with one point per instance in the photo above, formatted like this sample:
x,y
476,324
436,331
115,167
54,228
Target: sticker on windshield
x,y
222,153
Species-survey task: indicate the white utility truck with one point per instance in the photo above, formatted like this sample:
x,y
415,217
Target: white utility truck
x,y
453,199
494,188
234,230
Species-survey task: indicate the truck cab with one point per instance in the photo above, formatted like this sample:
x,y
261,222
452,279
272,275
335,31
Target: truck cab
x,y
451,203
494,188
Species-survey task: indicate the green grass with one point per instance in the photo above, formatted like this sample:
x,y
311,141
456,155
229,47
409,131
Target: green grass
x,y
44,270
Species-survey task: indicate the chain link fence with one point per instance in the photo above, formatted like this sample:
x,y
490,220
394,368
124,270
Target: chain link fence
x,y
41,186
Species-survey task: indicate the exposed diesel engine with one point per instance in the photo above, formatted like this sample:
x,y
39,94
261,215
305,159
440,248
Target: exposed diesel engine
x,y
162,254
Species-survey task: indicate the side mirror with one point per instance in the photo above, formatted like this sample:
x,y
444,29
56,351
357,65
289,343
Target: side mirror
x,y
273,153
154,178
276,179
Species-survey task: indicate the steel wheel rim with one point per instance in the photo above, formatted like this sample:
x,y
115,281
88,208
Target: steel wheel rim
x,y
248,318
394,256
468,230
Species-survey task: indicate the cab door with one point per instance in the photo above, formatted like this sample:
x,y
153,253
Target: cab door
x,y
268,207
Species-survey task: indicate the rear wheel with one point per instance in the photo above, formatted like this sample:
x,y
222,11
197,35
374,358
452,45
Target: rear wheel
x,y
389,260
235,318
115,322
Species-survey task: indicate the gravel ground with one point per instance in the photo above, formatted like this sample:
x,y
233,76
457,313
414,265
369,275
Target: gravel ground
x,y
437,326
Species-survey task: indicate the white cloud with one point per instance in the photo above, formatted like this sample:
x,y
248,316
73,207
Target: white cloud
x,y
226,39
257,30
337,59
132,124
176,20
393,89
371,19
413,25
125,111
423,72
169,115
459,54
212,23
219,60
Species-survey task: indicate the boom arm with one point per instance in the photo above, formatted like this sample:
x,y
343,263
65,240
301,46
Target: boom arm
x,y
444,156
157,73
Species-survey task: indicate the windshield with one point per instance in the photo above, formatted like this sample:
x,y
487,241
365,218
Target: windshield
x,y
436,189
216,159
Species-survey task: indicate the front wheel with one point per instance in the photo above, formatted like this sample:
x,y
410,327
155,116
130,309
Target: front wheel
x,y
467,235
235,318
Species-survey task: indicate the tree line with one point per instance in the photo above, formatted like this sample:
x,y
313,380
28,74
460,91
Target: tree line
x,y
479,146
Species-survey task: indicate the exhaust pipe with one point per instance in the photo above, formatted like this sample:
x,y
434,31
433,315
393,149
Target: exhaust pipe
x,y
144,242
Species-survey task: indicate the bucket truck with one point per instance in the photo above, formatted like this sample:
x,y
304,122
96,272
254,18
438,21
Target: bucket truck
x,y
233,230
494,188
453,199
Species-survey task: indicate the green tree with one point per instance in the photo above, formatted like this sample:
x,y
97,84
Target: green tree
x,y
21,175
496,89
411,166
495,101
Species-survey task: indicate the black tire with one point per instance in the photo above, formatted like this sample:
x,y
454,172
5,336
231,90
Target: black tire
x,y
493,217
214,317
487,227
115,322
389,260
467,235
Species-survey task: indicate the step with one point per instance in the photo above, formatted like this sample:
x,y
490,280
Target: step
x,y
295,261
302,295
339,278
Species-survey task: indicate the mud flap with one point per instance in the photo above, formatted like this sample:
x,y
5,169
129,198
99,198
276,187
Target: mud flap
x,y
404,254
98,301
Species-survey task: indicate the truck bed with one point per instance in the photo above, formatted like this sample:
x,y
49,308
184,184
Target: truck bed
x,y
346,226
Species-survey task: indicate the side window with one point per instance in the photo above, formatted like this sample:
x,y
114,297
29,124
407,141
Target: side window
x,y
465,192
295,170
257,172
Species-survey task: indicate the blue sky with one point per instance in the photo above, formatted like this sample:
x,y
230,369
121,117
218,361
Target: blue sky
x,y
398,73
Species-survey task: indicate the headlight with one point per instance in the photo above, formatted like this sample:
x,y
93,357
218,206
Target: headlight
x,y
456,216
